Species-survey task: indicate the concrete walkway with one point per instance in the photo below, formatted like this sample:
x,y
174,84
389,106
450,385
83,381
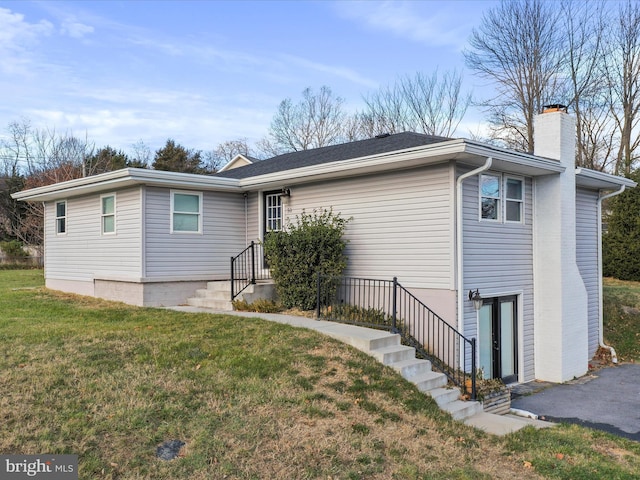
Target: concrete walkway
x,y
363,339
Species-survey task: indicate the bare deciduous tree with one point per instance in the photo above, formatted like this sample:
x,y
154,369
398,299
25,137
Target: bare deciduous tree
x,y
315,121
141,155
41,157
227,151
520,48
585,90
622,66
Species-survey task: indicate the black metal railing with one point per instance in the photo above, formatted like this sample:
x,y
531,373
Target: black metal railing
x,y
387,305
247,267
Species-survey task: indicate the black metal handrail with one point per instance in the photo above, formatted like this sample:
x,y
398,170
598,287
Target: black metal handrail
x,y
387,305
247,267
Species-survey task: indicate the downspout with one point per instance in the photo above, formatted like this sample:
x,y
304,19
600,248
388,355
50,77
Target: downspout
x,y
614,357
459,237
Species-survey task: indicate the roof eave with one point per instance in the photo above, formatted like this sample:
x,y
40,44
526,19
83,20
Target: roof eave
x,y
123,178
462,150
601,181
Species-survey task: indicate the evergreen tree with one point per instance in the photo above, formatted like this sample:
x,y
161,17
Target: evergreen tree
x,y
621,242
175,158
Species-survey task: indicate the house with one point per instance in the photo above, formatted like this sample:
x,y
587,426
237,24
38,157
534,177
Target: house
x,y
448,217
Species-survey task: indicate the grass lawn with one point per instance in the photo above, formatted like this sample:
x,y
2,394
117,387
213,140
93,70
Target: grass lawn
x,y
621,308
251,399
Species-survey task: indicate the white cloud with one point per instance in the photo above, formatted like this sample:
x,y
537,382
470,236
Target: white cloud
x,y
337,71
16,36
75,29
425,22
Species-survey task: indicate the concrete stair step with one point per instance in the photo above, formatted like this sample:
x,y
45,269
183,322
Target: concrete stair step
x,y
383,341
442,396
221,286
213,294
412,368
209,303
429,380
394,353
460,410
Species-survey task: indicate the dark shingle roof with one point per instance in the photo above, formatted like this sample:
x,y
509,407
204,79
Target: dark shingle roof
x,y
333,153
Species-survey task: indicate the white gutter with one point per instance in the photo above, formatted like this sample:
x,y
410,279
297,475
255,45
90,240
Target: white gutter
x,y
614,357
459,241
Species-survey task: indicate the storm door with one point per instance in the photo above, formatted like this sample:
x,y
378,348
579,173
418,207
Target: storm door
x,y
498,338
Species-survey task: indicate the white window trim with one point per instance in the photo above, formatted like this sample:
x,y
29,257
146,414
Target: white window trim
x,y
521,201
66,217
182,232
502,199
103,215
266,207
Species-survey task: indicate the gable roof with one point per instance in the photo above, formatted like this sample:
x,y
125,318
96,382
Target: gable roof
x,y
333,153
239,160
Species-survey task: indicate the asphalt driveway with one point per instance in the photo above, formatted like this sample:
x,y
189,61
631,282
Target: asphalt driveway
x,y
608,400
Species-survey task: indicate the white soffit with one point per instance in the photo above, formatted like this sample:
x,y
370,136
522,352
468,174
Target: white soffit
x,y
600,180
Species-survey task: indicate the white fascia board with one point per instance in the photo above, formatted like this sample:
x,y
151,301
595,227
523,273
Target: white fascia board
x,y
125,178
459,149
600,180
422,155
514,162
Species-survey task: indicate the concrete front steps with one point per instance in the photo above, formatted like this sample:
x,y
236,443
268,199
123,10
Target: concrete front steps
x,y
419,372
217,295
386,347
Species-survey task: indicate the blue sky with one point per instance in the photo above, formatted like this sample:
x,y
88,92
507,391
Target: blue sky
x,y
202,72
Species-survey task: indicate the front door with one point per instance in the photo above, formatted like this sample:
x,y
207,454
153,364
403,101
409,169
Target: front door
x,y
498,338
272,215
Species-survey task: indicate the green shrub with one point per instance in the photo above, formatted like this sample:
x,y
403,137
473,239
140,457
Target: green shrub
x,y
13,249
310,246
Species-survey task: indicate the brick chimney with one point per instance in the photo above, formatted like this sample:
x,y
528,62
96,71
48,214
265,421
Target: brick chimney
x,y
560,296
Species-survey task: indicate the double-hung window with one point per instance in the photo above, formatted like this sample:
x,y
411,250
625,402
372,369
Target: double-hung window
x,y
186,212
108,215
501,198
61,217
490,197
514,199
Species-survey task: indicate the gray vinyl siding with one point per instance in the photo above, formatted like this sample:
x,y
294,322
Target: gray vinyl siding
x,y
401,223
498,260
83,253
587,258
192,254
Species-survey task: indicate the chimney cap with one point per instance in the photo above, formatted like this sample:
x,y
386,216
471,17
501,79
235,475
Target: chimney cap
x,y
556,107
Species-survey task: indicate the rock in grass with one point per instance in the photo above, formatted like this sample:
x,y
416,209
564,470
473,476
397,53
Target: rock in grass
x,y
169,449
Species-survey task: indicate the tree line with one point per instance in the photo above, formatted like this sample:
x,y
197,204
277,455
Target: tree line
x,y
584,54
